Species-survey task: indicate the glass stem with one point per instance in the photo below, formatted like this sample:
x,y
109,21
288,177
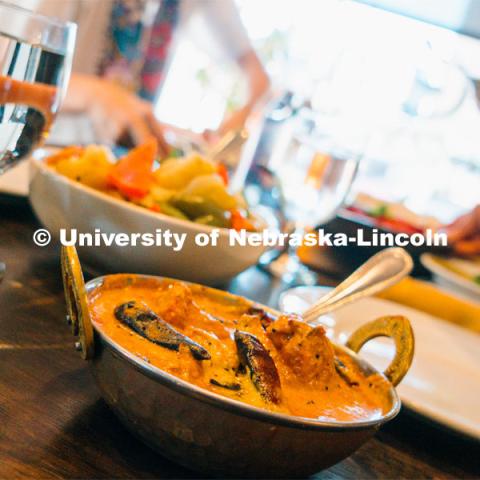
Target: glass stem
x,y
298,230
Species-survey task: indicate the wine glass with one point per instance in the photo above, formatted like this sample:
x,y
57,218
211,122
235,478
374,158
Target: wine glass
x,y
314,176
35,62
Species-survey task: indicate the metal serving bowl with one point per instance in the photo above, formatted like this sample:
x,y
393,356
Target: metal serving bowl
x,y
211,433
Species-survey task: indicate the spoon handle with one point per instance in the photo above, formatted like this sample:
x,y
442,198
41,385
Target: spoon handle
x,y
379,272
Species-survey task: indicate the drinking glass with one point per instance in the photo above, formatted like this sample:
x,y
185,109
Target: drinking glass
x,y
314,176
35,62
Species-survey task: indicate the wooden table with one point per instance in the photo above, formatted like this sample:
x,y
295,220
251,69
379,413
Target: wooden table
x,y
53,423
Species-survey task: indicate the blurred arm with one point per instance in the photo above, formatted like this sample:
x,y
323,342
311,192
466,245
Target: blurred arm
x,y
226,25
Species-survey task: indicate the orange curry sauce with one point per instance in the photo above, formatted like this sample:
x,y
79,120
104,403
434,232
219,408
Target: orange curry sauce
x,y
310,384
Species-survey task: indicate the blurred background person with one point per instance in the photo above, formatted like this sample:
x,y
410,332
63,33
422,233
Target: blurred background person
x,y
409,84
123,52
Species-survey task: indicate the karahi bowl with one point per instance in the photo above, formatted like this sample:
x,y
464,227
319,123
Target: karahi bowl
x,y
213,434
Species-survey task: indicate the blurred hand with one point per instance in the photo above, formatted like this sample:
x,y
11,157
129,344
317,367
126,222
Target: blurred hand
x,y
234,122
464,233
117,115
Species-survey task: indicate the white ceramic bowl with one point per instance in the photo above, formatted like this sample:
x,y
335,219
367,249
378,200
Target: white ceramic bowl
x,y
60,203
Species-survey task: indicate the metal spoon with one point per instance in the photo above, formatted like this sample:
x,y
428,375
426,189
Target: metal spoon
x,y
379,272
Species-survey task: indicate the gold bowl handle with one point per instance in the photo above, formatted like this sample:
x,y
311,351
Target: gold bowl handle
x,y
397,328
78,314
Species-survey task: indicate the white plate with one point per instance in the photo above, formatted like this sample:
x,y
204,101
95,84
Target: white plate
x,y
68,129
443,383
445,275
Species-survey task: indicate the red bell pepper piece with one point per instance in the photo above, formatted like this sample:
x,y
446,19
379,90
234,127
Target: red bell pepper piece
x,y
132,175
223,172
239,222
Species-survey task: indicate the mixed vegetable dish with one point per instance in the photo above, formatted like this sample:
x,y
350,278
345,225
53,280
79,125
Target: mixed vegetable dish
x,y
191,188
